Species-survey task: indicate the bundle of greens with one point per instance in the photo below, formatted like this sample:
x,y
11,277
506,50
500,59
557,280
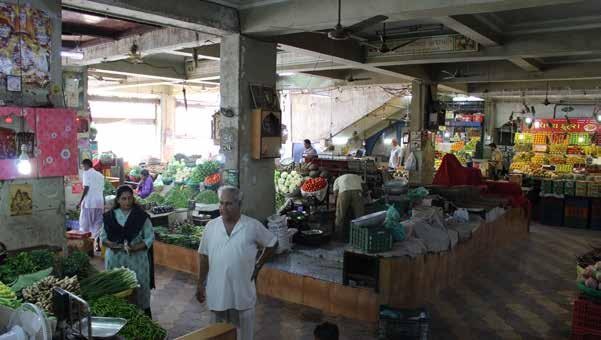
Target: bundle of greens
x,y
207,197
138,326
176,198
108,282
76,264
25,263
8,297
183,235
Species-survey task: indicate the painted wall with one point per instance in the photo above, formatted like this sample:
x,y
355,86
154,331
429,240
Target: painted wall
x,y
315,116
46,224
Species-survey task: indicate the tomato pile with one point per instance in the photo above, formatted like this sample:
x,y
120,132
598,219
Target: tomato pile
x,y
213,179
314,184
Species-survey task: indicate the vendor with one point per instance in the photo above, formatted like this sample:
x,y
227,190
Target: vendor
x,y
496,162
348,191
128,236
145,186
310,153
396,156
355,145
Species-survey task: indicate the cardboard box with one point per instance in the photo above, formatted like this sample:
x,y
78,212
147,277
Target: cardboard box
x,y
218,331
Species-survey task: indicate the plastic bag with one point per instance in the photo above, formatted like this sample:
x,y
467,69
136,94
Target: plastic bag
x,y
461,215
411,163
393,222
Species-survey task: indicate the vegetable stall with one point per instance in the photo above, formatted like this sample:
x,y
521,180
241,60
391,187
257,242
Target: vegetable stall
x,y
31,276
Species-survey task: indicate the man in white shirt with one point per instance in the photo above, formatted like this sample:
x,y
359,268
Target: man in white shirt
x,y
348,191
228,251
396,156
92,200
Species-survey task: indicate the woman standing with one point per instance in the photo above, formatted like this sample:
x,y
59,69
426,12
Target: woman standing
x,y
128,235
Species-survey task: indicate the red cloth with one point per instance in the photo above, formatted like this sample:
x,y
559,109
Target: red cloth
x,y
97,165
452,173
510,189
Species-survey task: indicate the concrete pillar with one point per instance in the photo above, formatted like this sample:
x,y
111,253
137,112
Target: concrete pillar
x,y
490,119
421,144
166,125
245,61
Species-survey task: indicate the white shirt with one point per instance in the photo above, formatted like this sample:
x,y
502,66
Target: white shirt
x,y
95,181
348,182
232,262
395,157
310,152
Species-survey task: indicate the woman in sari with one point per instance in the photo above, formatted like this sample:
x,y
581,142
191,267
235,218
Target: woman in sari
x,y
128,236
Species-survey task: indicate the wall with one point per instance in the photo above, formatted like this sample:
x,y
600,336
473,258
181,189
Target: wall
x,y
315,116
504,109
46,224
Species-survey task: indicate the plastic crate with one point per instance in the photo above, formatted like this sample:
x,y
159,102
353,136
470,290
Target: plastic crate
x,y
547,186
581,188
403,323
570,188
370,240
586,318
594,189
551,211
576,212
558,187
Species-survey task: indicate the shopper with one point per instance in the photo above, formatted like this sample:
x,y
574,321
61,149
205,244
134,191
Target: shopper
x,y
326,331
496,162
227,263
310,153
396,155
145,187
92,199
348,192
128,235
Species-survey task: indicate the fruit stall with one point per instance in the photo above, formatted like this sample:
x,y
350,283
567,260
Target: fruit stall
x,y
460,136
559,159
586,317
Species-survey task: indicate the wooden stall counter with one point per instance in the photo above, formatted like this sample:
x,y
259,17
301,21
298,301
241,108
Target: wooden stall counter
x,y
219,331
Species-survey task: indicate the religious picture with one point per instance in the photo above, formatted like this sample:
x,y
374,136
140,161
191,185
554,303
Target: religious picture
x,y
21,199
270,124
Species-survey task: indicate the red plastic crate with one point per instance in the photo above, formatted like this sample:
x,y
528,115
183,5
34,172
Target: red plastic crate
x,y
584,337
586,319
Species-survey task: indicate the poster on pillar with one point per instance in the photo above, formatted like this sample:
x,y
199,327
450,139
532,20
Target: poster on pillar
x,y
21,199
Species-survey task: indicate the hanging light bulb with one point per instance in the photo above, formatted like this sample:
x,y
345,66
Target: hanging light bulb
x,y
447,134
598,118
528,120
23,164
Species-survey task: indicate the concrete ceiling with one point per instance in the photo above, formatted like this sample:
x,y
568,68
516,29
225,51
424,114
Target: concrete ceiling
x,y
521,43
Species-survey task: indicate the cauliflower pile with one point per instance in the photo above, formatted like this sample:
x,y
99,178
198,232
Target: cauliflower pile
x,y
287,183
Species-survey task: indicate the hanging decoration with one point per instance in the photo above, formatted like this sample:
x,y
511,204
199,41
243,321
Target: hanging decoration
x,y
25,45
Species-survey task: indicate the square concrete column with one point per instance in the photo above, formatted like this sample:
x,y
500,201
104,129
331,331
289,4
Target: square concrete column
x,y
421,146
246,61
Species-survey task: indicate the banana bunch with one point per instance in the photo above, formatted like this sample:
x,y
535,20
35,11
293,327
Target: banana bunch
x,y
8,298
41,292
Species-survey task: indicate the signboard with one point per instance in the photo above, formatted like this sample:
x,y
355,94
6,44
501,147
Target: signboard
x,y
426,45
561,125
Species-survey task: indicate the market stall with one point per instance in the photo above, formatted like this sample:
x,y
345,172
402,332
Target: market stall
x,y
54,284
559,158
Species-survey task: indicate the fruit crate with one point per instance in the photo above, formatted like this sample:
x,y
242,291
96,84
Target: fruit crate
x,y
581,188
586,318
576,212
569,188
593,189
370,240
558,187
547,186
403,323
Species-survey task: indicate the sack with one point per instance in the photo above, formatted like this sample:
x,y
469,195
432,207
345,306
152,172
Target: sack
x,y
393,223
411,163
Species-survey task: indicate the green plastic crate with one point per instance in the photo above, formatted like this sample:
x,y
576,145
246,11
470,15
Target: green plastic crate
x,y
558,187
570,188
547,186
370,240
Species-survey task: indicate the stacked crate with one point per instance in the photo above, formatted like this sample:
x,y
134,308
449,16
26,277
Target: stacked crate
x,y
552,209
576,212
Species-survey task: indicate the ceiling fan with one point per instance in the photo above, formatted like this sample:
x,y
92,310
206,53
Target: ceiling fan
x,y
340,32
134,55
457,74
383,48
351,78
547,102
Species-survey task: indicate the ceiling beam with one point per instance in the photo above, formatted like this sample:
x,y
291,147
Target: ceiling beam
x,y
210,52
528,65
69,28
153,42
201,16
503,71
576,87
529,46
306,15
163,73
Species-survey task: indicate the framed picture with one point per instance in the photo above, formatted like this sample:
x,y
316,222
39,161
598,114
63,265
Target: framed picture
x,y
266,134
13,83
264,97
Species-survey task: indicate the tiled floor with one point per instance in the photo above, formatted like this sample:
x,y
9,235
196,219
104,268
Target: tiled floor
x,y
523,291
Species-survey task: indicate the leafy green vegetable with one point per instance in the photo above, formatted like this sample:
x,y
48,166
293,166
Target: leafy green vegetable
x,y
138,326
136,171
27,280
176,198
109,189
203,170
25,263
76,264
207,197
184,235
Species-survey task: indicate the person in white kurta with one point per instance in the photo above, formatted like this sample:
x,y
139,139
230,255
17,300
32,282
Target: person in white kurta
x,y
228,269
92,199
